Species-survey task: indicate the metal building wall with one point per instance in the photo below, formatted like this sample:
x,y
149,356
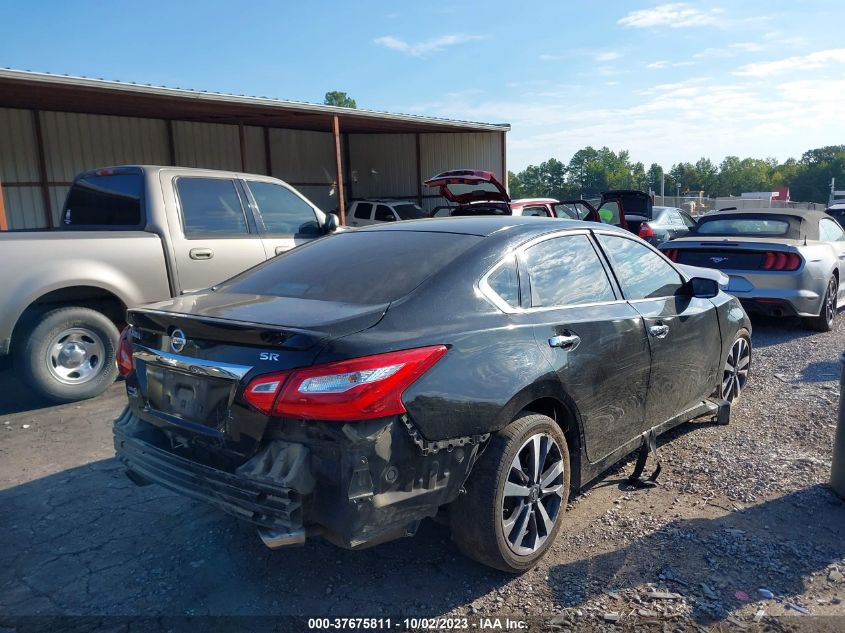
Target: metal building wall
x,y
255,159
305,160
468,150
209,145
383,165
19,164
76,142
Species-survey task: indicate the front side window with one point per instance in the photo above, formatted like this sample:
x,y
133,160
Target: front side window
x,y
642,273
408,212
210,206
283,211
566,271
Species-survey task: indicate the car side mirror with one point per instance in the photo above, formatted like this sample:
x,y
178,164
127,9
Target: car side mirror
x,y
332,223
703,288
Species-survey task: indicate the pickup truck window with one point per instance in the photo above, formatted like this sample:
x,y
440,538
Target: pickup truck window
x,y
210,207
107,200
282,211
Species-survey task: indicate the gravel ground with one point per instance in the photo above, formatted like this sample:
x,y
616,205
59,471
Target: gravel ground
x,y
742,533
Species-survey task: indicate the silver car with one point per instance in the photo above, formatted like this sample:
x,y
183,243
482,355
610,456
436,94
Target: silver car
x,y
780,262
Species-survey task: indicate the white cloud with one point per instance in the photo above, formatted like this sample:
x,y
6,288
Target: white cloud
x,y
812,61
607,56
424,47
667,123
675,15
662,63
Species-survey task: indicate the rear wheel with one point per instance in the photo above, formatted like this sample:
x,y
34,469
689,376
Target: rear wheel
x,y
515,496
68,354
824,322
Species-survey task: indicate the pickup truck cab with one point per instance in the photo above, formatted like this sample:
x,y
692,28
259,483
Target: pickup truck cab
x,y
131,235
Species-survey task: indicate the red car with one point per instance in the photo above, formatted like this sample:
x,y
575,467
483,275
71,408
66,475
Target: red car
x,y
476,192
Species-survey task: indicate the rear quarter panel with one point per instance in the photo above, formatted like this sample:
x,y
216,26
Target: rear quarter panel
x,y
129,264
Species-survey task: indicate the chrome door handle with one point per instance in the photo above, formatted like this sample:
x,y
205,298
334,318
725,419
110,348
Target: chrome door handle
x,y
569,342
201,253
282,249
658,331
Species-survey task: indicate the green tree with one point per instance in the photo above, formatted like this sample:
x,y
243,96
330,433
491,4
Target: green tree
x,y
814,172
339,99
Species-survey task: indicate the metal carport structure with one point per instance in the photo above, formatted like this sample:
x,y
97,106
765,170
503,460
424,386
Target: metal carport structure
x,y
55,126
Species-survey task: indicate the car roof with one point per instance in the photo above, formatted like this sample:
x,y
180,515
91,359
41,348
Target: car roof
x,y
487,225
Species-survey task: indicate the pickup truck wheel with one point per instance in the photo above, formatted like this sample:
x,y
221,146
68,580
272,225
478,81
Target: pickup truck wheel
x,y
515,496
68,354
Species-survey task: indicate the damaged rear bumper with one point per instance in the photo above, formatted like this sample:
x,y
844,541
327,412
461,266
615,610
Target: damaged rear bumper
x,y
355,484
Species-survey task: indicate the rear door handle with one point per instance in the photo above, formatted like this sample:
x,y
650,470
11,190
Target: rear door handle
x,y
658,331
201,253
568,342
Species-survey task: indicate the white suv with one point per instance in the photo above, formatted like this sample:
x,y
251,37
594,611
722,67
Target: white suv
x,y
365,212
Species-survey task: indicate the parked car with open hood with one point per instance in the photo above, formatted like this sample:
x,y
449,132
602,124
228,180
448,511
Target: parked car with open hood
x,y
785,262
501,361
131,235
476,192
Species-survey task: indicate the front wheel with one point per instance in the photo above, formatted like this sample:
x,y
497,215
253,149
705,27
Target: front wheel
x,y
69,354
515,496
824,321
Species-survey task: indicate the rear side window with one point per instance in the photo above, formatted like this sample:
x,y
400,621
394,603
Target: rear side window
x,y
566,271
504,281
367,267
210,207
642,273
363,210
283,211
535,212
108,200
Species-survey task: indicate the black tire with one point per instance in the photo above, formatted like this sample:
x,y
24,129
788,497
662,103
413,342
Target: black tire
x,y
477,518
32,354
827,315
730,387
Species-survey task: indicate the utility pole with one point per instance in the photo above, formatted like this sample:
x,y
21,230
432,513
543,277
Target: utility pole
x,y
662,182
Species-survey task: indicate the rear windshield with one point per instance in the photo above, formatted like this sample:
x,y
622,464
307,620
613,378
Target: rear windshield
x,y
408,211
108,200
368,267
752,227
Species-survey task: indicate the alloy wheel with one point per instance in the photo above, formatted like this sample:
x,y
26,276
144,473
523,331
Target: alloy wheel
x,y
75,356
533,494
830,300
737,365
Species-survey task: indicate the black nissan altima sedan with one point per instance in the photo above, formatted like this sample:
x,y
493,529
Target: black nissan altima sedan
x,y
475,369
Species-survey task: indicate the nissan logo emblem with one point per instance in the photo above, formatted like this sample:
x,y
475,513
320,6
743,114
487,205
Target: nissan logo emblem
x,y
178,340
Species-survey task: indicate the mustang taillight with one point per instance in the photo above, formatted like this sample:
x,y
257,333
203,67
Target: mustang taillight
x,y
646,230
776,260
356,389
125,364
671,253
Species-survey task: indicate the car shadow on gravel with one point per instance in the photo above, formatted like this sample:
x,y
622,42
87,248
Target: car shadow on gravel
x,y
16,397
769,331
774,545
86,541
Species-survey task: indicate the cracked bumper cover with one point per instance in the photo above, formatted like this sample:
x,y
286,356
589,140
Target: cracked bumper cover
x,y
357,485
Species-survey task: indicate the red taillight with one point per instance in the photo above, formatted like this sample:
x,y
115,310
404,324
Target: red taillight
x,y
646,230
781,261
355,389
671,253
125,364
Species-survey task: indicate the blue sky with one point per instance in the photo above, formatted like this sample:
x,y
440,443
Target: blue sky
x,y
667,81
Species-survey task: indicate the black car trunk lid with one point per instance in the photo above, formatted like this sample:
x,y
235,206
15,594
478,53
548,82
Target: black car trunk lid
x,y
194,355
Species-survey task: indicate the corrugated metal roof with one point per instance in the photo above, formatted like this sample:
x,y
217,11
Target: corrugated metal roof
x,y
240,106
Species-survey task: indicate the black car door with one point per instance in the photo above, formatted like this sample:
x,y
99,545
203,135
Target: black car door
x,y
595,341
683,331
